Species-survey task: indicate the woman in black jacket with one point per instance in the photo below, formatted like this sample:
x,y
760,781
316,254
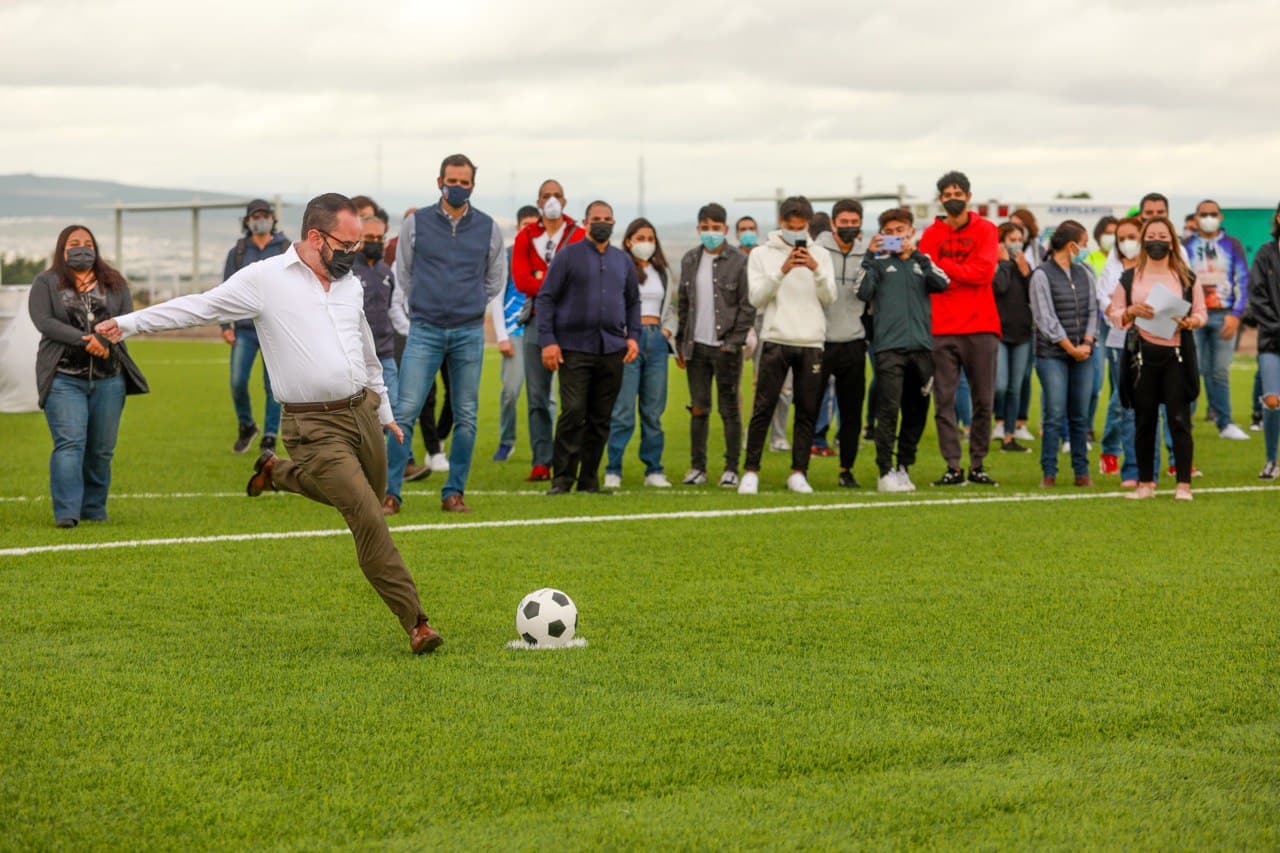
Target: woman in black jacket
x,y
1264,305
81,377
1013,302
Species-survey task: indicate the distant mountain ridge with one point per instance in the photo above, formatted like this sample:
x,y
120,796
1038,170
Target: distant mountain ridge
x,y
41,195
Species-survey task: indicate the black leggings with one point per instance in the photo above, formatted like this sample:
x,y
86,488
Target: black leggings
x,y
1161,381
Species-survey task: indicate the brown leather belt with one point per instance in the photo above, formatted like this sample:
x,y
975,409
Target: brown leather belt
x,y
334,406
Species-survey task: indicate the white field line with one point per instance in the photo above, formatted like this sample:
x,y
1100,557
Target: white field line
x,y
151,496
1024,497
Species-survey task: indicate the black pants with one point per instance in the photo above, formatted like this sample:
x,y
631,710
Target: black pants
x,y
805,363
847,362
902,380
1161,381
706,364
873,393
589,386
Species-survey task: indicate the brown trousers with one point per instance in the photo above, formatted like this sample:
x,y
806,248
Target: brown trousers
x,y
340,459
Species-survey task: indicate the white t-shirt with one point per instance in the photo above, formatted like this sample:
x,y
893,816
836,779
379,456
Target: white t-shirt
x,y
545,244
652,293
704,326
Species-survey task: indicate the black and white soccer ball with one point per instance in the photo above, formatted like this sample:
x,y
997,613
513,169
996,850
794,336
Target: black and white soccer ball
x,y
546,619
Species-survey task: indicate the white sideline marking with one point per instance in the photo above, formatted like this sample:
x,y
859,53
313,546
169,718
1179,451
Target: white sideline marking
x,y
1024,497
415,492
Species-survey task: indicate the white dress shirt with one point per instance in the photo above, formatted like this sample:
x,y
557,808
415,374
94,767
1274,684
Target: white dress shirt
x,y
316,344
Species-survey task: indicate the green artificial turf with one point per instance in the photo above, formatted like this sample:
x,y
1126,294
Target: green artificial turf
x,y
888,671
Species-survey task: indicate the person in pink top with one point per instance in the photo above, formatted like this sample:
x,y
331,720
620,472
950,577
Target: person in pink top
x,y
1161,375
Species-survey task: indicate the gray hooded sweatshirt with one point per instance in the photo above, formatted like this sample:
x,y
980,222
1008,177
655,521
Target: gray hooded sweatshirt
x,y
844,316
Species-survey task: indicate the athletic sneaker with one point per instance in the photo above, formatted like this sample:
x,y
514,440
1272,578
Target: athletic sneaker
x,y
414,472
904,478
1109,464
1255,422
1234,433
997,432
656,480
1195,472
729,480
1023,434
613,481
439,463
695,477
750,484
980,477
798,483
847,480
1270,471
503,453
953,477
891,483
780,446
869,434
268,443
1012,446
247,434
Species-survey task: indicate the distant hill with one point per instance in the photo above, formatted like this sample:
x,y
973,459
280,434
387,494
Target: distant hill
x,y
38,195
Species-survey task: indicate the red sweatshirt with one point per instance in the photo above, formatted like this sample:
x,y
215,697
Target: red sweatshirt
x,y
969,257
528,267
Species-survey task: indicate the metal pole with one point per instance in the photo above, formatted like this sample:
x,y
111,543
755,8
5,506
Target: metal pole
x,y
195,249
119,238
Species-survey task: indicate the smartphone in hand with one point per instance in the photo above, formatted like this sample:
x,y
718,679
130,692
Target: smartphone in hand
x,y
890,244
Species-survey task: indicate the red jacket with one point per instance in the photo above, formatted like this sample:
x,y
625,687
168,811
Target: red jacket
x,y
528,268
969,256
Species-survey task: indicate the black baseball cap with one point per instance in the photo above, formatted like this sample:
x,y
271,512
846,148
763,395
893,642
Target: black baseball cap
x,y
259,205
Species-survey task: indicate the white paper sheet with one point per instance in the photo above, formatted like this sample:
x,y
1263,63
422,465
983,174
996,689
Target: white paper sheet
x,y
1168,307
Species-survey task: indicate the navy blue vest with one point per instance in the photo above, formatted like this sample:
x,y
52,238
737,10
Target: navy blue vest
x,y
450,261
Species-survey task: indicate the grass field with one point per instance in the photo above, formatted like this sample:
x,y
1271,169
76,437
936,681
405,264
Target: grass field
x,y
998,668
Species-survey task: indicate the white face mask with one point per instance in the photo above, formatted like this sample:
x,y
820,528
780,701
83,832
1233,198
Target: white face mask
x,y
1013,248
1107,242
1129,248
1210,224
551,208
643,251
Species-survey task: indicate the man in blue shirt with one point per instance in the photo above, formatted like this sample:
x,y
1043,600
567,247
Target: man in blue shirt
x,y
588,313
505,311
449,265
261,240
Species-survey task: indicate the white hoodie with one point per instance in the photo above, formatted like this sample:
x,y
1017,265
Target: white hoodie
x,y
793,306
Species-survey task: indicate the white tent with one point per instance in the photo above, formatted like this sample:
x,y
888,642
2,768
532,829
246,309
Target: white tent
x,y
18,342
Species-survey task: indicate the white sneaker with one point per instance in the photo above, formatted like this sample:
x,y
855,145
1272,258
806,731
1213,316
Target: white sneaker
x,y
750,484
997,432
797,483
1066,448
729,480
694,478
780,446
614,481
1234,433
657,481
891,482
439,463
905,479
1023,434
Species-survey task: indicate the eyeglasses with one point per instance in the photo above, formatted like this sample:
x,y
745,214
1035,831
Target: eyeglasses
x,y
346,247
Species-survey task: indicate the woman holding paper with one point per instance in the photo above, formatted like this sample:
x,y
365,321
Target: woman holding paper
x,y
1159,297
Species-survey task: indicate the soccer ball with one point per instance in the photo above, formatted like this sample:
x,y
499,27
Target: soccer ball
x,y
546,619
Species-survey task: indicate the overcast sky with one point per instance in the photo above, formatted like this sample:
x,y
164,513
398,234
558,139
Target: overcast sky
x,y
721,98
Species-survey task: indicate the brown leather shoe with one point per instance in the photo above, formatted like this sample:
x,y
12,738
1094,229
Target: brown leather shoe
x,y
1047,483
1085,482
390,506
454,503
423,639
414,472
261,479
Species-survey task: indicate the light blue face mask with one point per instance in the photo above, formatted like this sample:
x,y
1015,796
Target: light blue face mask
x,y
747,239
790,237
711,240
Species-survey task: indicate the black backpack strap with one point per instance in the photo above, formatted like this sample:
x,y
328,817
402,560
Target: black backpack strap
x,y
242,246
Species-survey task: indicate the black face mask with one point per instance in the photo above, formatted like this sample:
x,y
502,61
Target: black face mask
x,y
600,232
80,258
372,250
954,206
1157,250
339,263
848,235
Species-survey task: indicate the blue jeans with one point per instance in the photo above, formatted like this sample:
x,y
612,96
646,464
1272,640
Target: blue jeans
x,y
391,378
1215,356
1024,397
539,399
1066,385
427,348
1098,359
84,418
1269,372
964,402
644,379
1117,436
244,352
826,414
1011,366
